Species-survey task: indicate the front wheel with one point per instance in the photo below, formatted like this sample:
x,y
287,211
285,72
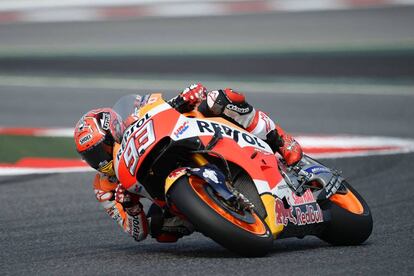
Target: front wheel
x,y
351,219
240,231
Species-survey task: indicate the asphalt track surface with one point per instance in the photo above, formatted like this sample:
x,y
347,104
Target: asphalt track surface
x,y
51,224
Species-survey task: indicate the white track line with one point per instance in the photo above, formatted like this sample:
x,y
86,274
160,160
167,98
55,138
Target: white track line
x,y
283,87
24,171
395,146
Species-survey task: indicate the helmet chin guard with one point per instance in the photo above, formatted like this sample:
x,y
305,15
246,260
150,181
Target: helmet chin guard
x,y
95,135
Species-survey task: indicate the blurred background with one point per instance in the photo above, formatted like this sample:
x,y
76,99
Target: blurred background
x,y
317,67
59,59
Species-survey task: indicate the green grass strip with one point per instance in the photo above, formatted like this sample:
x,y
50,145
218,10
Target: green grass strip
x,y
13,148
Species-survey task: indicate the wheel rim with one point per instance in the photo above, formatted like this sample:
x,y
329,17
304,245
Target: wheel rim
x,y
252,223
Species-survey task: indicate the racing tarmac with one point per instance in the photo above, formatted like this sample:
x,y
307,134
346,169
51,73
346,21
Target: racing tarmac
x,y
51,224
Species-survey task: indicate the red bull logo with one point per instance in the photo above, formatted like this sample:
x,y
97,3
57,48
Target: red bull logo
x,y
284,216
300,215
310,216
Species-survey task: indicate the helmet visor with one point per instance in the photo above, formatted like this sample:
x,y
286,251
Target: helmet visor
x,y
100,158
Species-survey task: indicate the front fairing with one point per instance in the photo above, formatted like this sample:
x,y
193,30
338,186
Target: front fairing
x,y
154,121
236,145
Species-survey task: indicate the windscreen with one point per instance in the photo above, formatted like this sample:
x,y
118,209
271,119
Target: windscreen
x,y
128,105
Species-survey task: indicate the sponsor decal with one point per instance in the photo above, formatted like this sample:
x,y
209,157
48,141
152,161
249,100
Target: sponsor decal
x,y
236,135
212,97
181,129
284,216
238,109
318,170
210,174
139,102
311,215
114,213
332,186
266,119
81,123
135,145
307,197
105,120
103,196
85,139
107,167
300,215
177,172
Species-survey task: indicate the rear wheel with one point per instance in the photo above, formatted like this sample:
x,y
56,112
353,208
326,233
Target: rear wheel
x,y
351,219
240,231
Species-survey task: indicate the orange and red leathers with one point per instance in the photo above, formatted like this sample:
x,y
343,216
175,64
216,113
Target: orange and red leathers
x,y
132,220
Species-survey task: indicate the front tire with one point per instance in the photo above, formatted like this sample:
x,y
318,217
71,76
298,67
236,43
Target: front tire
x,y
240,231
351,220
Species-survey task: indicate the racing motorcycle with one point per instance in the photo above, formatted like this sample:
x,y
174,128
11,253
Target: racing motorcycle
x,y
229,184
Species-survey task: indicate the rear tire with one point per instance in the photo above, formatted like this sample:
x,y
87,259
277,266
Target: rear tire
x,y
346,227
207,212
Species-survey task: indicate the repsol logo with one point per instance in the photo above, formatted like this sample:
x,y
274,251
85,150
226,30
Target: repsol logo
x,y
236,135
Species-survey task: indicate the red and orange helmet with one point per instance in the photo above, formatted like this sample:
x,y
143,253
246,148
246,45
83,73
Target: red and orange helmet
x,y
95,135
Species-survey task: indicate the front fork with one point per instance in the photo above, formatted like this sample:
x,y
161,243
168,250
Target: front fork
x,y
268,200
199,159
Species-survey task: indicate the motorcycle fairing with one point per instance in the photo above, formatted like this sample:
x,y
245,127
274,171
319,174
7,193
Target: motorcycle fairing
x,y
139,139
237,146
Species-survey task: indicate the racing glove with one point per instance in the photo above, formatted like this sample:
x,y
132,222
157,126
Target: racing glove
x,y
128,200
189,98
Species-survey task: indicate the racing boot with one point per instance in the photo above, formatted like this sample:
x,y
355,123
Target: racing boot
x,y
278,140
285,145
165,227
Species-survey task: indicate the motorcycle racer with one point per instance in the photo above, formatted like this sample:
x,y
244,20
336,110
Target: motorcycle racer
x,y
99,130
232,106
